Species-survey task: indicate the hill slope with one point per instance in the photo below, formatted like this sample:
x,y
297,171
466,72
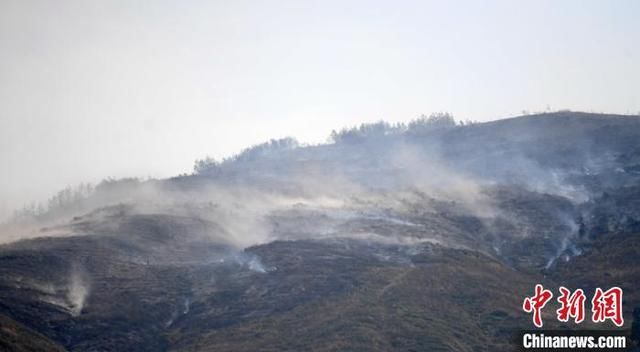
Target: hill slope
x,y
390,239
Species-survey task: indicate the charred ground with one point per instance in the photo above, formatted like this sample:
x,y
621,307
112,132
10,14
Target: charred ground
x,y
405,240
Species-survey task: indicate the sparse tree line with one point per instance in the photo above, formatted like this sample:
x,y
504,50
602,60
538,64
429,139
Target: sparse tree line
x,y
210,165
73,198
64,199
69,199
420,126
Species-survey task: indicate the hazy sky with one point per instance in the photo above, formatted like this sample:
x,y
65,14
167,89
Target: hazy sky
x,y
91,89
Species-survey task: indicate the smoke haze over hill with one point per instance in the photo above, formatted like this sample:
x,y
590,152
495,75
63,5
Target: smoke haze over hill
x,y
317,176
281,232
91,90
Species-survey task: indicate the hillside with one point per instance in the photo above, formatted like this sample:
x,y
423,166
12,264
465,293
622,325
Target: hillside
x,y
423,237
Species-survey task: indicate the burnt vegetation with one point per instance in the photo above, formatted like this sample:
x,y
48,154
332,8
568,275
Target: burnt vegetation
x,y
423,236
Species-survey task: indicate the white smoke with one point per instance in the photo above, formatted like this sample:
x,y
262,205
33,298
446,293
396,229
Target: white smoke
x,y
77,291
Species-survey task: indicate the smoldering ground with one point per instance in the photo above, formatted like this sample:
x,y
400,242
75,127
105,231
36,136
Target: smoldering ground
x,y
369,187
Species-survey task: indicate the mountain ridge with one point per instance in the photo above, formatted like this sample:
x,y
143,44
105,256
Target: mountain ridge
x,y
390,238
